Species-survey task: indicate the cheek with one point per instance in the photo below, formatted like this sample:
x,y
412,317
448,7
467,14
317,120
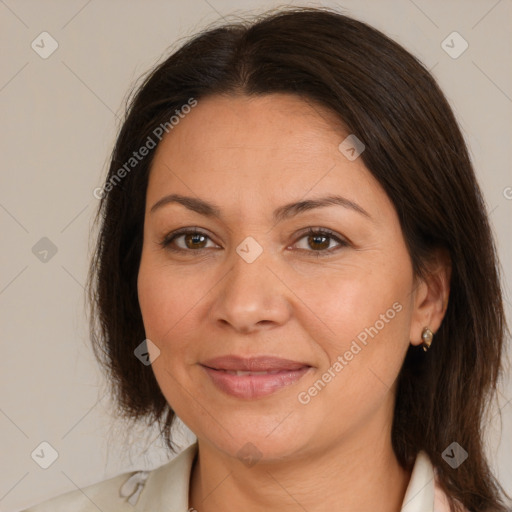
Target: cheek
x,y
364,349
354,303
366,316
155,301
167,316
163,301
172,303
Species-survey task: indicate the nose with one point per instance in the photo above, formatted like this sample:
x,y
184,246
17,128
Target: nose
x,y
251,296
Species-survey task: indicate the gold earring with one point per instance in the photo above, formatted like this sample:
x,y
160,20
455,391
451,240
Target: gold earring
x,y
427,336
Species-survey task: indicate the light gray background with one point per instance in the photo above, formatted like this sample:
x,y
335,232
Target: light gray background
x,y
59,121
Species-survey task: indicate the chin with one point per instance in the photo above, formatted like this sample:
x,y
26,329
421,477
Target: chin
x,y
254,445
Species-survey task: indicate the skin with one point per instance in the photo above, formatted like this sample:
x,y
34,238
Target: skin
x,y
250,156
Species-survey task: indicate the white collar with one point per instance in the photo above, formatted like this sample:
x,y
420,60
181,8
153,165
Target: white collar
x,y
167,487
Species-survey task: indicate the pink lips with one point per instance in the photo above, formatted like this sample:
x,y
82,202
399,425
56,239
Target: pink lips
x,y
254,377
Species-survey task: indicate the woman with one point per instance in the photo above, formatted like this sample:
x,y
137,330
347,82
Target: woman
x,y
294,258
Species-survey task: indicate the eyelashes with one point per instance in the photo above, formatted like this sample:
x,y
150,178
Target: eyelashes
x,y
312,235
171,237
315,237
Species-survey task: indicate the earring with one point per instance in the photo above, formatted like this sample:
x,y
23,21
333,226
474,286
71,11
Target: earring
x,y
427,336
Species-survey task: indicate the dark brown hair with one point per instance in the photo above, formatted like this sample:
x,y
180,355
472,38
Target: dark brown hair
x,y
416,151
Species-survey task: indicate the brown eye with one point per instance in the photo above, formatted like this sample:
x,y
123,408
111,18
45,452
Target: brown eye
x,y
186,241
318,242
195,240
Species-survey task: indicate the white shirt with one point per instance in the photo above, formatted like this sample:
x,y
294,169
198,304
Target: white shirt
x,y
167,487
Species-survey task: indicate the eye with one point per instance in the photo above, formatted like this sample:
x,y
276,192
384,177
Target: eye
x,y
194,240
320,239
185,240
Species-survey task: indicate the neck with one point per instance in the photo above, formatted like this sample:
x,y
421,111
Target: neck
x,y
355,476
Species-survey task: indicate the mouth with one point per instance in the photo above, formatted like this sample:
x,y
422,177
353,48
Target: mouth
x,y
255,377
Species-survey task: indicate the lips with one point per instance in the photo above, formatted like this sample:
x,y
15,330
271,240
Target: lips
x,y
253,364
255,377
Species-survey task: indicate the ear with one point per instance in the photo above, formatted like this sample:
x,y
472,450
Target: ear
x,y
430,296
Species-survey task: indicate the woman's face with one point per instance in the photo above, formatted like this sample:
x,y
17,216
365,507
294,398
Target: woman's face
x,y
341,308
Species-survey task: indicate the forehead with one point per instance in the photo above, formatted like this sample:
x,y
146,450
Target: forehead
x,y
272,147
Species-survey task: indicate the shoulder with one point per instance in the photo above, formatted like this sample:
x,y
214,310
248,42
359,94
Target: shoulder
x,y
105,495
132,491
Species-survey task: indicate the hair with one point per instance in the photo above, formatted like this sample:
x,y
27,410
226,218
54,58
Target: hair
x,y
414,149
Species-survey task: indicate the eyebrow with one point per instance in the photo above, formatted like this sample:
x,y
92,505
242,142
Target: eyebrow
x,y
283,212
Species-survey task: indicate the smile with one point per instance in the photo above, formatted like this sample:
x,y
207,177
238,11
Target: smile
x,y
253,384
